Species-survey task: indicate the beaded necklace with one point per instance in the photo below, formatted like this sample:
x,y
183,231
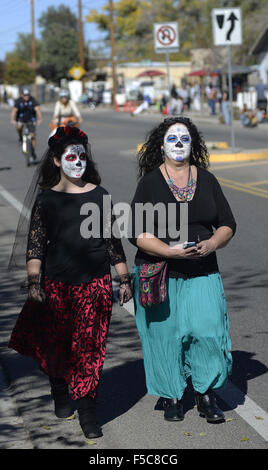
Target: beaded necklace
x,y
186,193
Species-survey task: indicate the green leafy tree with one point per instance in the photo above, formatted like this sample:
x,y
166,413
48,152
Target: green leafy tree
x,y
59,41
134,25
23,47
17,71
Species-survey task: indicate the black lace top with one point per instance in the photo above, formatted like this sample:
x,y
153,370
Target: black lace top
x,y
74,235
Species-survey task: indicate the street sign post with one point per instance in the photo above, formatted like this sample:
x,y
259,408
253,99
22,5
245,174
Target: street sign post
x,y
166,40
227,31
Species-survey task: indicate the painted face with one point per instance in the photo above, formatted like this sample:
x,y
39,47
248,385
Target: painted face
x,y
73,161
177,142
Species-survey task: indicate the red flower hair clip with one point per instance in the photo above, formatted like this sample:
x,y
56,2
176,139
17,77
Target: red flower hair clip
x,y
64,133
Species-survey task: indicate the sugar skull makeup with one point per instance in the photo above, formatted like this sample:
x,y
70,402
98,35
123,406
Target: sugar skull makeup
x,y
73,161
177,142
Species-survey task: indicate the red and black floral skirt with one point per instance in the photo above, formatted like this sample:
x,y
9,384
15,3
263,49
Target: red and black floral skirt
x,y
67,335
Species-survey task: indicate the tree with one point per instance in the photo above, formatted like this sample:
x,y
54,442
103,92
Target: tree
x,y
17,71
134,26
23,47
59,41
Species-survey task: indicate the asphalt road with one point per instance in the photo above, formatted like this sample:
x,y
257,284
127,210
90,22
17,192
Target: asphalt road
x,y
126,412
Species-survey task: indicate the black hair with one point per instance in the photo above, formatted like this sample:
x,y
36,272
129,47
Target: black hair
x,y
150,155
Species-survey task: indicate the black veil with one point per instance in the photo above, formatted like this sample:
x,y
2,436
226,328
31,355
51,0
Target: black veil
x,y
17,260
59,139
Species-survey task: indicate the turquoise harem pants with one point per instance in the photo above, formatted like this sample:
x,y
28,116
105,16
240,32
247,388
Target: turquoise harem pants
x,y
186,336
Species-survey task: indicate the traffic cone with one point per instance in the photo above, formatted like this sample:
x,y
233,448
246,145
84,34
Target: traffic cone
x,y
116,106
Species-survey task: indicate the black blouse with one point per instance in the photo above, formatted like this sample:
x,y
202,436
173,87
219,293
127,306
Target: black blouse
x,y
207,210
61,235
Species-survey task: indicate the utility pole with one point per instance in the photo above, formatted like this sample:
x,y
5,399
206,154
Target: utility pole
x,y
112,49
81,40
33,49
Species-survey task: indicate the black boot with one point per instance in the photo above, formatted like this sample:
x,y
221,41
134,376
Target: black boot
x,y
207,407
173,409
86,408
60,395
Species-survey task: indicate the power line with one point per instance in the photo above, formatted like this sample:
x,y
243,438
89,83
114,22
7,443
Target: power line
x,y
10,6
16,27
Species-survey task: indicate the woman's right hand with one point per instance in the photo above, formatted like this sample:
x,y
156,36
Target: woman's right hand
x,y
178,252
35,291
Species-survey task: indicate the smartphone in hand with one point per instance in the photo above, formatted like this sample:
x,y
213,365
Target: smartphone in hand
x,y
188,244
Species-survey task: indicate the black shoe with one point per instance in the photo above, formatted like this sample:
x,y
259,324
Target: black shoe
x,y
86,408
173,409
60,395
208,408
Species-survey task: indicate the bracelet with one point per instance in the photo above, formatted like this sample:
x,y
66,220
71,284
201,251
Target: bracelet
x,y
33,279
125,279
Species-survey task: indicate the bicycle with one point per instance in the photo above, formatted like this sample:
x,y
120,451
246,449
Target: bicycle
x,y
27,145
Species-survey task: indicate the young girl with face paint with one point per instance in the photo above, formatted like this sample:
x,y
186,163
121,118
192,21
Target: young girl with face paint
x,y
188,334
65,320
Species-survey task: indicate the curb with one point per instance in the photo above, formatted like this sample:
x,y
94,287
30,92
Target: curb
x,y
261,154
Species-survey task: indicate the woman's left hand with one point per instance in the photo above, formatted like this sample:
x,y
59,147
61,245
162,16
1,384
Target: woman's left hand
x,y
125,294
125,290
206,247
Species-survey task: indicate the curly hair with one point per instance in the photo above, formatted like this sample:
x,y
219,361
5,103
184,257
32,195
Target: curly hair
x,y
150,156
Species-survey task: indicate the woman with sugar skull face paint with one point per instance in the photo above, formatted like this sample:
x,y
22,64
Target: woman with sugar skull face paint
x,y
187,335
65,320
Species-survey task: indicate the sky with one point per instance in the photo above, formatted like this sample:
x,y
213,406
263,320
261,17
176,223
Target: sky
x,y
15,17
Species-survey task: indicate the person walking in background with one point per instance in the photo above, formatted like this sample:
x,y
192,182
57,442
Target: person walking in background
x,y
211,98
195,96
176,102
64,322
187,335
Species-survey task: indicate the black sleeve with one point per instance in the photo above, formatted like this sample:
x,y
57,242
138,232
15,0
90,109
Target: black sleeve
x,y
224,213
138,223
37,237
35,103
112,238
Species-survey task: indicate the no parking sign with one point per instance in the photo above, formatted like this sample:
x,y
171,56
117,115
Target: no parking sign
x,y
166,37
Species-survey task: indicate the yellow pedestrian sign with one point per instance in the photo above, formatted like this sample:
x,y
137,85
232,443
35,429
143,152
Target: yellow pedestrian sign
x,y
77,72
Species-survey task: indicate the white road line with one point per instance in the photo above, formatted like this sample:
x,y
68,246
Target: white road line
x,y
253,414
11,199
248,409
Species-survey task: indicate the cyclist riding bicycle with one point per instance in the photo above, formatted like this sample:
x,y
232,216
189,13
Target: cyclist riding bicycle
x,y
65,108
25,110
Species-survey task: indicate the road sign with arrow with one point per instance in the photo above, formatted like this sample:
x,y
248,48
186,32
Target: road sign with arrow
x,y
227,26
